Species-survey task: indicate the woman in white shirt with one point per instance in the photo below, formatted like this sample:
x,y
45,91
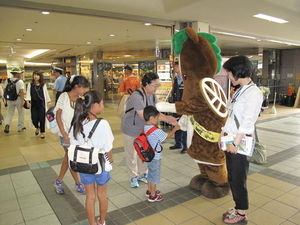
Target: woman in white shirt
x,y
245,106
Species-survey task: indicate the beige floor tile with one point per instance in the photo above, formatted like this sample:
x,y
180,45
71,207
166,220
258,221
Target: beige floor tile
x,y
41,157
258,199
12,162
280,209
252,184
197,221
295,191
260,178
215,216
154,219
296,218
199,205
262,217
221,201
281,185
289,223
36,149
178,214
268,191
290,200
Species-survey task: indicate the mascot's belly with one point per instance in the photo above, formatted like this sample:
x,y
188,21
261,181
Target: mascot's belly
x,y
196,153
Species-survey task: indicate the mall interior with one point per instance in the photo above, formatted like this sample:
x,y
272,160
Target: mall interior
x,y
96,39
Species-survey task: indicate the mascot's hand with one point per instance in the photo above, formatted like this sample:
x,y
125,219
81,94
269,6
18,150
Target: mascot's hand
x,y
166,107
183,122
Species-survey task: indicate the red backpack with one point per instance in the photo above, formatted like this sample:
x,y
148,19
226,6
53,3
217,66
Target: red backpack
x,y
142,146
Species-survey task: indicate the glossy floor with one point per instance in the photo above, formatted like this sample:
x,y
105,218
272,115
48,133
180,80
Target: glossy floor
x,y
29,165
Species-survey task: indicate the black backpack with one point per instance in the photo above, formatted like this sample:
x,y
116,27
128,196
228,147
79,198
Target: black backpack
x,y
10,92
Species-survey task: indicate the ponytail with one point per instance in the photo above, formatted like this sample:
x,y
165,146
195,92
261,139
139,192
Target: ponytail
x,y
82,109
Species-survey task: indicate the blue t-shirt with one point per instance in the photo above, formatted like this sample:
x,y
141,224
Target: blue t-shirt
x,y
59,83
155,139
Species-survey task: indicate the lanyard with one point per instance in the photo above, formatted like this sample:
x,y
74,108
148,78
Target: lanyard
x,y
237,93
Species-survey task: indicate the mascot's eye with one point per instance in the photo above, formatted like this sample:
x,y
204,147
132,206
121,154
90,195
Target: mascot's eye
x,y
184,76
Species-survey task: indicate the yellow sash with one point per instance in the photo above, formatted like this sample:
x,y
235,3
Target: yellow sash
x,y
205,134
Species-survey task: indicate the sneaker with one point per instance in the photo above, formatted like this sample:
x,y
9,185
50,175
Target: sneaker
x,y
235,218
158,192
80,188
155,198
144,178
58,187
98,222
22,129
6,129
134,182
229,212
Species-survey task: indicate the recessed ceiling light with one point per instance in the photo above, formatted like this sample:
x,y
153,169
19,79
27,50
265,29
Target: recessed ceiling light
x,y
18,39
270,18
35,53
127,55
45,13
28,29
88,42
147,24
112,35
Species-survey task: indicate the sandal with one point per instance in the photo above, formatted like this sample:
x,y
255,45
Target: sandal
x,y
42,135
37,131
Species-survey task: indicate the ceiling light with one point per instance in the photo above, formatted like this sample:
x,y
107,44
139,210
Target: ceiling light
x,y
236,35
112,35
18,39
147,24
127,55
88,42
270,18
282,42
28,29
45,13
35,53
37,64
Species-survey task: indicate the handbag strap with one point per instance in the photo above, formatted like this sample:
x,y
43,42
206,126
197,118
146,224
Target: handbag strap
x,y
93,129
238,125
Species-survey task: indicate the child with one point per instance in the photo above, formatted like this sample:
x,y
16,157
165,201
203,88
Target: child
x,y
86,110
75,87
151,115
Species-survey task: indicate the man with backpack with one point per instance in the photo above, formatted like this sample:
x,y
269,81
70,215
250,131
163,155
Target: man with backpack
x,y
14,94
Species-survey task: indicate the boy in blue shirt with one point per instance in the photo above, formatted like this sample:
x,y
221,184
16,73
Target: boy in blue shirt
x,y
151,116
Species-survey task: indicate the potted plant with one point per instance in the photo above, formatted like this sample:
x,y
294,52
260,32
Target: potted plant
x,y
291,97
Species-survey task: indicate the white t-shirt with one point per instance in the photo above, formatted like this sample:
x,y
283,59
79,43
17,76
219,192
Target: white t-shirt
x,y
102,138
19,84
67,114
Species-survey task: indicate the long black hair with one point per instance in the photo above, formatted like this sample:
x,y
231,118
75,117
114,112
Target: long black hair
x,y
81,81
40,74
82,109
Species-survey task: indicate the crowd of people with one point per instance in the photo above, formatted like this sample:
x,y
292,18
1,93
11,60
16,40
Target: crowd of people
x,y
77,109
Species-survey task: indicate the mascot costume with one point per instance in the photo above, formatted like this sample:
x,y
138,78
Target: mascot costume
x,y
203,109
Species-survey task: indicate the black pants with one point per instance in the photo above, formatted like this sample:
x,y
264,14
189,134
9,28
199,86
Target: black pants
x,y
38,115
180,136
238,167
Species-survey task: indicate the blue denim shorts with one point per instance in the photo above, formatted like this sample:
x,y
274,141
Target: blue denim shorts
x,y
99,179
154,171
62,141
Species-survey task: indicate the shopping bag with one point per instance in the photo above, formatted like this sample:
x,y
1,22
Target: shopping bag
x,y
122,106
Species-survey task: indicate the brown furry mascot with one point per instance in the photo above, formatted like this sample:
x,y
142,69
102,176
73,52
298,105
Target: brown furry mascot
x,y
204,104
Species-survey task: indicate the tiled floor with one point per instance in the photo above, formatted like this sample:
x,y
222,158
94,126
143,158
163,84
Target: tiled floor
x,y
29,166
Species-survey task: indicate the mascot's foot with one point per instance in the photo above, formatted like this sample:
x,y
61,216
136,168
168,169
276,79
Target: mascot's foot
x,y
210,190
197,182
